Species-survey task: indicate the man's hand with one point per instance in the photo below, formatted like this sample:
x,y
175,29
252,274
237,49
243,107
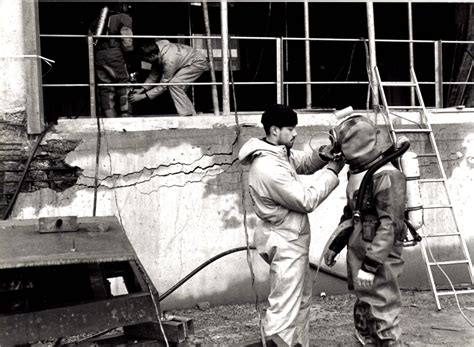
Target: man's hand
x,y
364,279
325,152
336,165
330,258
134,97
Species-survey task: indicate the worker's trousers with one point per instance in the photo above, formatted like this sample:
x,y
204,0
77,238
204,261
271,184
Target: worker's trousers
x,y
377,309
111,68
287,317
187,74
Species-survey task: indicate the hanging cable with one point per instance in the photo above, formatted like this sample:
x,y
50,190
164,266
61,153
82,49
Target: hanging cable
x,y
450,284
267,25
149,285
321,98
243,202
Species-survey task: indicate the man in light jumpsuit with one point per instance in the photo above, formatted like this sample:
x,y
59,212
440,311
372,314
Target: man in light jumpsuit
x,y
282,236
175,62
375,241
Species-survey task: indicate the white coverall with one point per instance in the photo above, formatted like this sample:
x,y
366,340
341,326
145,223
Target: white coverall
x,y
282,234
181,64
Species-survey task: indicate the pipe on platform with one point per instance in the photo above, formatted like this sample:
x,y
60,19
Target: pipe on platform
x,y
372,55
215,98
225,59
307,56
410,48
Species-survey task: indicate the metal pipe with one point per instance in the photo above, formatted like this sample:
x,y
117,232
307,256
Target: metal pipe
x,y
266,38
279,71
287,65
410,48
372,55
325,39
90,46
307,56
190,26
225,59
215,97
438,66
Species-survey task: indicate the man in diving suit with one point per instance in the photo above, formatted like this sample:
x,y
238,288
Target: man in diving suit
x,y
110,63
375,240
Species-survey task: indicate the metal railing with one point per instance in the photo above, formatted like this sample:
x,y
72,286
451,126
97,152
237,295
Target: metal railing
x,y
280,82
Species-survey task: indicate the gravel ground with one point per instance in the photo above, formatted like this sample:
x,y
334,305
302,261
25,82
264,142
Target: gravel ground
x,y
331,322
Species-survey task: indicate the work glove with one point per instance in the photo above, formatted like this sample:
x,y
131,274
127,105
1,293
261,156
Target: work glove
x,y
364,279
330,258
336,165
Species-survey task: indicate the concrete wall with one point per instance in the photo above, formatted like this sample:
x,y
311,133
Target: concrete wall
x,y
176,185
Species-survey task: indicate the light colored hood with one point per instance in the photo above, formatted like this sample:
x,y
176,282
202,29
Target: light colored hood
x,y
256,147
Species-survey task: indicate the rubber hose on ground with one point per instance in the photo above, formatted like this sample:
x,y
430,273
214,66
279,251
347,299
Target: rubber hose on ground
x,y
230,251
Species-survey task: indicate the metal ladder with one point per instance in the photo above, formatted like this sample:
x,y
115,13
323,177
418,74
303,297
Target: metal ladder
x,y
424,128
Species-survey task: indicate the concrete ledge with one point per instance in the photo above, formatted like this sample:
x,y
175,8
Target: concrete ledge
x,y
245,119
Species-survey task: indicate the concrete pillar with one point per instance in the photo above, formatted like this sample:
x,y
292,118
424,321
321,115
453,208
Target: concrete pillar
x,y
21,93
12,83
372,54
225,60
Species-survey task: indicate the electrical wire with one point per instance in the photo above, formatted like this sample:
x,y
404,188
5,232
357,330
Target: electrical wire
x,y
267,24
96,169
450,283
243,202
149,285
349,64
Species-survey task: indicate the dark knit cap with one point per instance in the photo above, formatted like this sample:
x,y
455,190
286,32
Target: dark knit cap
x,y
279,116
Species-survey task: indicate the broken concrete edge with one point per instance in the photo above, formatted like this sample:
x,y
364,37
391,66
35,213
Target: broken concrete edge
x,y
247,119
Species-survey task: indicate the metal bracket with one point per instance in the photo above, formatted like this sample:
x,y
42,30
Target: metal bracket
x,y
57,224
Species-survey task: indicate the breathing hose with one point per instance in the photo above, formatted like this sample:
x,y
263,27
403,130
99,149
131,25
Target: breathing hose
x,y
389,155
230,251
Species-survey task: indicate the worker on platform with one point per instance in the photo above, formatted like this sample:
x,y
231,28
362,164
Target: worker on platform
x,y
282,203
174,62
109,58
374,239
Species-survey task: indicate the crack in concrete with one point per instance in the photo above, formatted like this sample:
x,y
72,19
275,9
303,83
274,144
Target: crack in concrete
x,y
169,165
115,177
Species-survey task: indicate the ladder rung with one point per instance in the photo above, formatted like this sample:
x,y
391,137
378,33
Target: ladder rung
x,y
432,207
442,235
450,262
397,107
427,155
431,180
412,131
458,292
399,84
